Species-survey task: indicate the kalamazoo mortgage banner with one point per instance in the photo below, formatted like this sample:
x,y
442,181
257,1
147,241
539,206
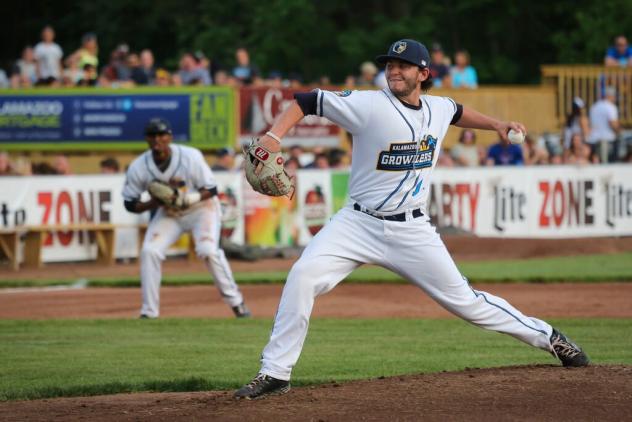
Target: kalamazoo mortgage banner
x,y
107,119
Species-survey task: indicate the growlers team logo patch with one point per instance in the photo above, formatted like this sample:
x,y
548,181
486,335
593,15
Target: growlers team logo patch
x,y
405,156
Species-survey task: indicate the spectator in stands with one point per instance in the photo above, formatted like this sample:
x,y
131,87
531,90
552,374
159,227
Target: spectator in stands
x,y
439,67
245,71
145,74
61,165
6,168
445,160
504,153
72,74
224,161
462,74
163,77
579,152
533,152
87,53
350,82
117,73
109,165
24,73
338,158
291,166
48,56
620,54
190,73
89,76
321,160
466,152
4,80
576,122
604,123
368,71
42,168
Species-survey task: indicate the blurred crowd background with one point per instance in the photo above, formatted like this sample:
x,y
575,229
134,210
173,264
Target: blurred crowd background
x,y
304,44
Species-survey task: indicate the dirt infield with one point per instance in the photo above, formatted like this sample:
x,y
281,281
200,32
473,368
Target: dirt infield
x,y
543,393
515,393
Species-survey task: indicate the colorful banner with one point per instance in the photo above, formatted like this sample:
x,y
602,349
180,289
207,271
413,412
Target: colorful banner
x,y
259,107
100,119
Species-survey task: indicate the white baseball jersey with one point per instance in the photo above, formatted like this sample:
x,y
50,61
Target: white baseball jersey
x,y
187,170
403,151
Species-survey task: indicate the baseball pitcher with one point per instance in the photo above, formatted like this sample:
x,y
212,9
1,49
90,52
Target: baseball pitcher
x,y
397,136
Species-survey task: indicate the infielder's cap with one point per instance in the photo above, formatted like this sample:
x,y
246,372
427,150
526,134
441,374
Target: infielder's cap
x,y
157,126
410,51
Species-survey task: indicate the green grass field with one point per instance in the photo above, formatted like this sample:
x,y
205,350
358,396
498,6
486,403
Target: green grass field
x,y
86,357
585,268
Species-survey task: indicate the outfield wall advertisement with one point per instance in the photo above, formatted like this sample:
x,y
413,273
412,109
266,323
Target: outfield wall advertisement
x,y
529,202
96,119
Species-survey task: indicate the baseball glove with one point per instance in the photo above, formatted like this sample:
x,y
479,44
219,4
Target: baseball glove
x,y
265,172
163,192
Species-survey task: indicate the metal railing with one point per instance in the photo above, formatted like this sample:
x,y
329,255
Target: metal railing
x,y
588,82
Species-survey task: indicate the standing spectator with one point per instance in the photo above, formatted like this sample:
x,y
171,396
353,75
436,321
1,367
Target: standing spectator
x,y
145,74
88,52
245,71
462,74
109,165
439,69
576,122
224,161
48,56
620,54
534,153
466,152
504,153
190,73
25,70
604,122
368,71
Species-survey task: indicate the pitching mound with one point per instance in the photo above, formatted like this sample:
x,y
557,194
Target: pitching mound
x,y
514,393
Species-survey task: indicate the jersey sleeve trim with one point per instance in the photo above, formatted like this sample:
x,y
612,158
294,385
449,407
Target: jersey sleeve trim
x,y
457,115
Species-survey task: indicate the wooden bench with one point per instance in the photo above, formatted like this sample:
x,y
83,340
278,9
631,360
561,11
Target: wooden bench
x,y
34,237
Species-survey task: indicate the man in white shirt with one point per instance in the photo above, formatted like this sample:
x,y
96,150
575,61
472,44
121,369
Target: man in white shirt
x,y
604,123
48,56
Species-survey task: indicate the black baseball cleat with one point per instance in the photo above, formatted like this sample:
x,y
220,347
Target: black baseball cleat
x,y
566,351
262,386
241,311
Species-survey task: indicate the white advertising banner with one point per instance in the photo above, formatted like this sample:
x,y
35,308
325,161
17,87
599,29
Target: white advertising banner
x,y
41,200
314,202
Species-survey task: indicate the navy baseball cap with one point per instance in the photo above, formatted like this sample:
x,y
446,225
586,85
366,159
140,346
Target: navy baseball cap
x,y
410,51
157,126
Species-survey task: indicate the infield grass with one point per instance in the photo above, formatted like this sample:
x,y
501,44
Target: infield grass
x,y
87,357
585,268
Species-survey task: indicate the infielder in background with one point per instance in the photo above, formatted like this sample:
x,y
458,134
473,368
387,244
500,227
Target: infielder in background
x,y
184,192
397,135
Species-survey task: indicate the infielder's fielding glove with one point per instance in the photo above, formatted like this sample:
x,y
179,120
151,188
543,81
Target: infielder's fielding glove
x,y
166,194
265,172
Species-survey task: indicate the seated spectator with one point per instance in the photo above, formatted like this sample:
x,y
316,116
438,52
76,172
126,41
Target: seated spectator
x,y
350,82
296,152
368,71
439,67
466,153
109,166
48,57
61,165
72,74
321,161
533,152
145,73
225,160
89,76
25,70
338,158
504,153
445,160
117,73
245,71
6,168
462,75
579,152
42,168
190,73
620,54
291,166
163,78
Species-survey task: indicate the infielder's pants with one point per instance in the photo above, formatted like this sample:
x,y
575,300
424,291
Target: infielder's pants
x,y
204,223
411,249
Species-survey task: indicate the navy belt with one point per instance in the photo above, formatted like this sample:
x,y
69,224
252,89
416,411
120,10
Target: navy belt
x,y
395,217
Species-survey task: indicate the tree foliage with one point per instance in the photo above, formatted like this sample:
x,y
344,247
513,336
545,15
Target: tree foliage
x,y
507,40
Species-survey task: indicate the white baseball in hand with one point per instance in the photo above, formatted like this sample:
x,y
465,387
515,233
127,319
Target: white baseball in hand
x,y
515,136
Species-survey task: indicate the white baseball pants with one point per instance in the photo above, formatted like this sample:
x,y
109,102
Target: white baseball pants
x,y
411,249
204,223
